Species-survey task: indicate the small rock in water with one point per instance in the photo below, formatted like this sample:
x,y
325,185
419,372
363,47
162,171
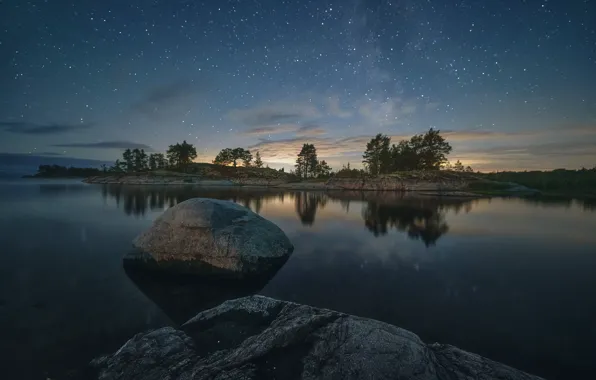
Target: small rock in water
x,y
203,236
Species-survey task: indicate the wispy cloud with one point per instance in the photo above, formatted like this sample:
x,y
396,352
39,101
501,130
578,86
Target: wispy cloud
x,y
41,129
165,96
269,115
271,130
389,111
334,108
476,147
107,145
310,130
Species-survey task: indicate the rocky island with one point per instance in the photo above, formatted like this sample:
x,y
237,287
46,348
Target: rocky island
x,y
425,182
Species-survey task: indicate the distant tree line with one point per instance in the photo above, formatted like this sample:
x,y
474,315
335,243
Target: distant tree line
x,y
582,181
137,160
426,151
48,171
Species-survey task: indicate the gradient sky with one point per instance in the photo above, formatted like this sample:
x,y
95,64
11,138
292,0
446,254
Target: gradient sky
x,y
511,83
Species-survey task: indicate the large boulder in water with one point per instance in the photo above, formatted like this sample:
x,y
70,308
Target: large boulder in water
x,y
203,236
261,338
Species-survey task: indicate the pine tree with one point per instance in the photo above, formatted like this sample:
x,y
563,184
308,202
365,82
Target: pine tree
x,y
377,157
258,161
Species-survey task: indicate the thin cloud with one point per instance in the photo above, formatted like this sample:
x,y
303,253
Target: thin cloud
x,y
338,151
310,130
41,129
273,114
334,108
162,97
387,112
107,145
271,130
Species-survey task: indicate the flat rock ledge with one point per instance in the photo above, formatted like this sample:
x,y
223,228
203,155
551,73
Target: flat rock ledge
x,y
262,338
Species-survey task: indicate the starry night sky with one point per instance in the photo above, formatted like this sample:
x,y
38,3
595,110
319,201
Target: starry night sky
x,y
511,83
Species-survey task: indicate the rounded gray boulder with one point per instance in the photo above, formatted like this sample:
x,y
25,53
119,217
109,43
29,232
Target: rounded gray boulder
x,y
203,236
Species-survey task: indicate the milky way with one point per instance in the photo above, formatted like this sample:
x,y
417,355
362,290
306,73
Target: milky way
x,y
509,82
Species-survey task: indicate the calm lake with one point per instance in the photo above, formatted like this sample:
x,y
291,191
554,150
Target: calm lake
x,y
510,279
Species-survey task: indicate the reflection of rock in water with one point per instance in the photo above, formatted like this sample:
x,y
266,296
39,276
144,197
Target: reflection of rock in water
x,y
183,297
422,219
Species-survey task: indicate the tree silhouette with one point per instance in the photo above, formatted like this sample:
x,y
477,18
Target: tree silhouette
x,y
258,161
153,161
139,159
229,156
128,160
245,156
323,169
426,151
306,163
181,154
161,161
377,157
432,149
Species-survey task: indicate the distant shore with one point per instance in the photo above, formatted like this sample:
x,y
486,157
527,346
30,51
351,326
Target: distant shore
x,y
443,186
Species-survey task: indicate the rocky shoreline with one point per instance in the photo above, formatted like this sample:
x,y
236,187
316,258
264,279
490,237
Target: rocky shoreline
x,y
445,186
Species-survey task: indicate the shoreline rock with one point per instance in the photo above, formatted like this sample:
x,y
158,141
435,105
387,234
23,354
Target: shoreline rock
x,y
258,337
203,236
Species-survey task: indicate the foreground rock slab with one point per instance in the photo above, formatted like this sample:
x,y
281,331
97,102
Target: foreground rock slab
x,y
202,236
261,338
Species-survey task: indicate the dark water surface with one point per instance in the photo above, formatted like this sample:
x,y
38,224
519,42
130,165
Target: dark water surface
x,y
511,279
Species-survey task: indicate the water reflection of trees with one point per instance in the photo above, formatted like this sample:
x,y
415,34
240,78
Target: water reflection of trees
x,y
422,219
136,200
307,204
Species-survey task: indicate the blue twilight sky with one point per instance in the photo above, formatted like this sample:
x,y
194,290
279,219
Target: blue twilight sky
x,y
511,83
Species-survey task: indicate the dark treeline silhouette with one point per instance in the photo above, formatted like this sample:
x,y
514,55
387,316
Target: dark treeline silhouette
x,y
229,156
137,160
426,151
558,180
308,165
47,171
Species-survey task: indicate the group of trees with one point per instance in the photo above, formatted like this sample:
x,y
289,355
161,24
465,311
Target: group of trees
x,y
308,165
229,156
136,160
426,151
